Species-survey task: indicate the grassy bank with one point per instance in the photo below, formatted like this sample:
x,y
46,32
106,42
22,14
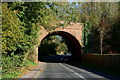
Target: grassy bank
x,y
21,71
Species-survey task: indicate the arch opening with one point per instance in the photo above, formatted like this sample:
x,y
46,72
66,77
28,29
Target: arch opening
x,y
72,43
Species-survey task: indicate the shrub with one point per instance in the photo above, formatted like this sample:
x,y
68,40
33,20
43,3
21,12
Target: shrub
x,y
11,64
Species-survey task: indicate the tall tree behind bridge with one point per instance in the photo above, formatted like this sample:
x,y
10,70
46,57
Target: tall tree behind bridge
x,y
101,16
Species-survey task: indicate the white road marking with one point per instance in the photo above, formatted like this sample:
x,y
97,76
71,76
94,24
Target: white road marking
x,y
36,75
72,71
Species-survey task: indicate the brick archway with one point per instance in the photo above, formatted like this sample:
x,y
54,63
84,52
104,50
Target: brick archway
x,y
72,32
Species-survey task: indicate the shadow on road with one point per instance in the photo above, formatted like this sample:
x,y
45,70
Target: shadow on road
x,y
55,59
78,65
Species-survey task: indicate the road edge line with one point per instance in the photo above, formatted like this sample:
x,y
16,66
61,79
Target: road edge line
x,y
35,76
72,71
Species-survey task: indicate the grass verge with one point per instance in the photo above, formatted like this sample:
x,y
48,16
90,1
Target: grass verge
x,y
21,71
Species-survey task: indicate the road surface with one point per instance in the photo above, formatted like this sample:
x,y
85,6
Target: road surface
x,y
68,72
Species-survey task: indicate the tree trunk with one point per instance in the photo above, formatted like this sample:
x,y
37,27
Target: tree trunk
x,y
101,42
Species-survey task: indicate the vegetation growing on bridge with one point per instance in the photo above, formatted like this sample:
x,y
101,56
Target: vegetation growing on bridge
x,y
21,22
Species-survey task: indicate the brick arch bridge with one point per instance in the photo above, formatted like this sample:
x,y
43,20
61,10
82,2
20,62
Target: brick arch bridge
x,y
73,34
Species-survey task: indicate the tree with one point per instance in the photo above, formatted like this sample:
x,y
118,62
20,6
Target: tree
x,y
100,16
53,45
106,20
62,47
13,32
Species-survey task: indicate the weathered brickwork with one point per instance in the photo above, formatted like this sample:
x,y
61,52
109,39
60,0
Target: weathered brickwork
x,y
74,30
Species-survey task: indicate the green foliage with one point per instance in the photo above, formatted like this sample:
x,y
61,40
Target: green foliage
x,y
52,45
32,13
28,16
114,37
0,38
12,74
31,63
10,64
47,47
21,22
13,36
62,47
101,16
15,41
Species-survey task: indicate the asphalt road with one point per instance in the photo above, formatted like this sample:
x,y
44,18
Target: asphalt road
x,y
59,67
64,71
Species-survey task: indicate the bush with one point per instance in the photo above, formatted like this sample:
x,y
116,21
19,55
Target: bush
x,y
10,64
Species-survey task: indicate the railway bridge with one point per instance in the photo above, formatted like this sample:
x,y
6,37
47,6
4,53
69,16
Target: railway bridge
x,y
73,34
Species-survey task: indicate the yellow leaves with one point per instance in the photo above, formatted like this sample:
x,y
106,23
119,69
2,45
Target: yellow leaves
x,y
15,11
12,30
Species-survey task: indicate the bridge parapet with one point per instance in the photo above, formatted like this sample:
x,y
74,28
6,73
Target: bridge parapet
x,y
73,29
